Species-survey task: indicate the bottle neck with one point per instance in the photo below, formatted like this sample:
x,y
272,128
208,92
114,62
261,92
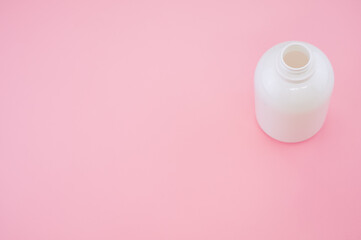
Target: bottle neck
x,y
295,63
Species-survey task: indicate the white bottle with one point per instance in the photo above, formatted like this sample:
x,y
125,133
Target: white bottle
x,y
293,85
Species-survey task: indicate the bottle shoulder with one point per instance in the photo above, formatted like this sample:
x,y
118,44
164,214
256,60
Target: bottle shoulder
x,y
272,85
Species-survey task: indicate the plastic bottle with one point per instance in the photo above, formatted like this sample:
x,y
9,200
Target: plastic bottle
x,y
293,84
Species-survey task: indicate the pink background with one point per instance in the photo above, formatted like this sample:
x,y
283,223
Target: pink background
x,y
135,120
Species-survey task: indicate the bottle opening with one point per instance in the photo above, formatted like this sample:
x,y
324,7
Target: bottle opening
x,y
296,56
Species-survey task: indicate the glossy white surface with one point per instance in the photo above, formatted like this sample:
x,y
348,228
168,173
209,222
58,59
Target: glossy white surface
x,y
293,85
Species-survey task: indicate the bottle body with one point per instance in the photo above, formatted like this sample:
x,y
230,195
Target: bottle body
x,y
293,85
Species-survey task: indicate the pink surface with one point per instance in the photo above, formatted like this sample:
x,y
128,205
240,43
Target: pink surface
x,y
135,120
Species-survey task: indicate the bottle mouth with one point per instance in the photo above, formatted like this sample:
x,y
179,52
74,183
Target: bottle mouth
x,y
296,62
296,56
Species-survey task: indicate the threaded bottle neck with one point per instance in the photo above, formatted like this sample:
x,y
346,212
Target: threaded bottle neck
x,y
295,63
